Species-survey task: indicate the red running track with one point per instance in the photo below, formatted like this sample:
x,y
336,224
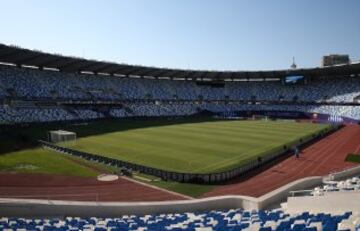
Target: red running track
x,y
323,157
55,187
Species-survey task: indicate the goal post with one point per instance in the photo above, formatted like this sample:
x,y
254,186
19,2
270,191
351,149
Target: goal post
x,y
61,136
259,117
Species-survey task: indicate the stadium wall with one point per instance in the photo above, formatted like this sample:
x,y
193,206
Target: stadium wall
x,y
209,178
333,202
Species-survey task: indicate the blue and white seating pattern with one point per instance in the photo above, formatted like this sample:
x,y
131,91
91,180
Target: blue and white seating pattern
x,y
21,115
24,83
88,114
38,114
151,109
233,219
29,83
118,112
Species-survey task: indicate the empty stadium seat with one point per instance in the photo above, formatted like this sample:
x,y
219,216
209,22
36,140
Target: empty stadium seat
x,y
233,219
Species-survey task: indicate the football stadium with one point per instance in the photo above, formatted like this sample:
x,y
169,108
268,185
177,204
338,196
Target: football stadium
x,y
91,144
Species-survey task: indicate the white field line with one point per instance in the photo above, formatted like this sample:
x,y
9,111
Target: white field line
x,y
157,188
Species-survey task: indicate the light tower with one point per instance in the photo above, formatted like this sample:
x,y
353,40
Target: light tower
x,y
293,65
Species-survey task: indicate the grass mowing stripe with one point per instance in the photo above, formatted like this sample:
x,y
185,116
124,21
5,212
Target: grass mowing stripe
x,y
233,161
154,155
161,155
264,129
177,139
194,147
247,135
221,150
202,137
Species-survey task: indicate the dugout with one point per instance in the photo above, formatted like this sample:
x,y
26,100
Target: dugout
x,y
61,136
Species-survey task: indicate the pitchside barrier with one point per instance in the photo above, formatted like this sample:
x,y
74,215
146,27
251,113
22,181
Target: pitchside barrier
x,y
199,178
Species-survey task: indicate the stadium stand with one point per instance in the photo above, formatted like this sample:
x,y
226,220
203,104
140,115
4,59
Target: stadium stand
x,y
38,95
11,114
233,219
27,87
33,84
351,184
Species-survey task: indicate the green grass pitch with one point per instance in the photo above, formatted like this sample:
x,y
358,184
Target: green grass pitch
x,y
42,161
195,147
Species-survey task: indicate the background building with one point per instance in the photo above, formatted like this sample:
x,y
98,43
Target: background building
x,y
335,59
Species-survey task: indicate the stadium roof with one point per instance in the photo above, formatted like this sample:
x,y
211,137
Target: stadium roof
x,y
26,57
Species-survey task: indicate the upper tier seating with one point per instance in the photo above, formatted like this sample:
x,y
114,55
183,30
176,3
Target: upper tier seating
x,y
29,83
23,83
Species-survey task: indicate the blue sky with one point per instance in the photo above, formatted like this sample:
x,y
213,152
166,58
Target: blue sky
x,y
195,34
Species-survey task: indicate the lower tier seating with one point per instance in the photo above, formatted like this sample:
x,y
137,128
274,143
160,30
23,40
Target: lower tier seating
x,y
233,219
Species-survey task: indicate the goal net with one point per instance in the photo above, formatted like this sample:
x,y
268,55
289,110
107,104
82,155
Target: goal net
x,y
259,117
61,136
